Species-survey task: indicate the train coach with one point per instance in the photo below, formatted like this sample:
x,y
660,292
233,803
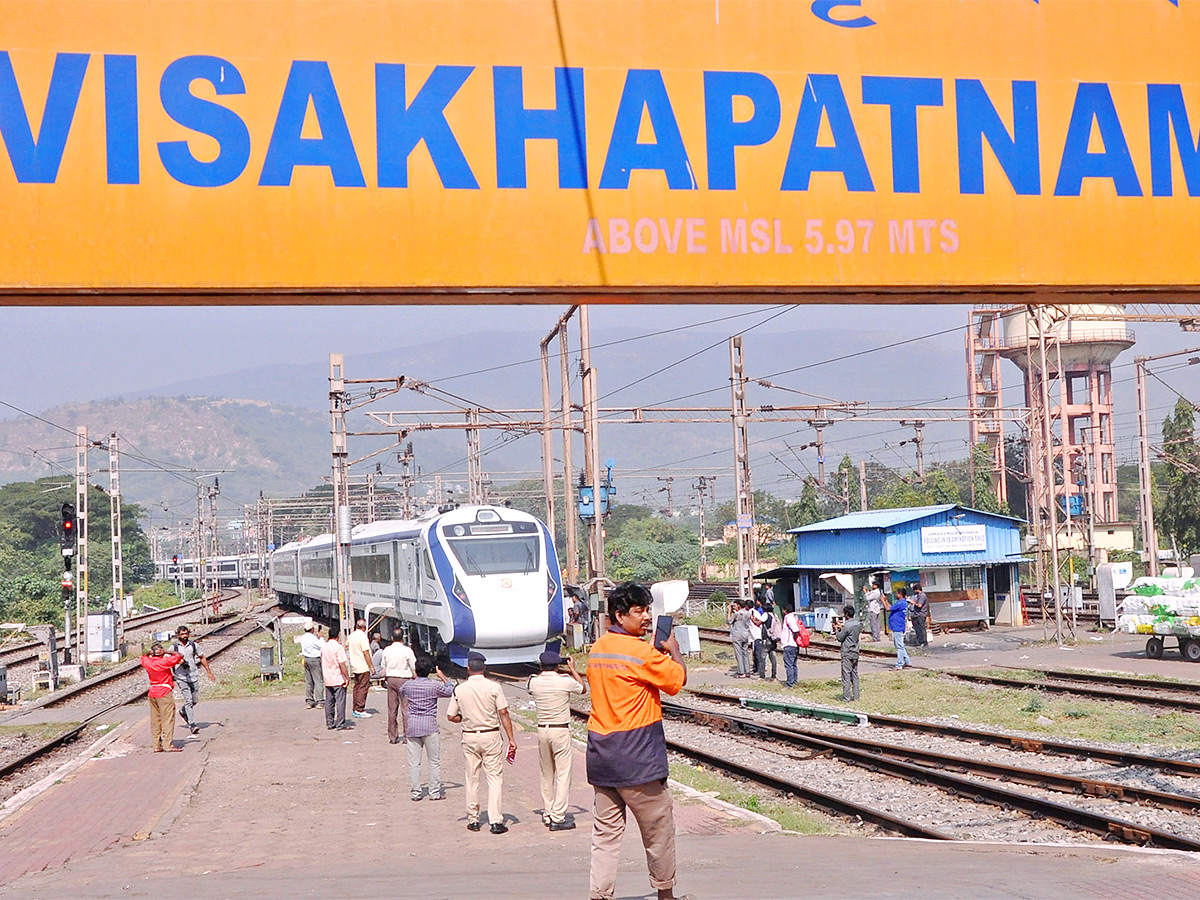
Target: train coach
x,y
225,571
472,578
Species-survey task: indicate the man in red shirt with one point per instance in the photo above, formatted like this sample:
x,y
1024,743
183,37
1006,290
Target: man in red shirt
x,y
158,666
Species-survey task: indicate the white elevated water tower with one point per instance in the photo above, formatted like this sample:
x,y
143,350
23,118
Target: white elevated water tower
x,y
1082,341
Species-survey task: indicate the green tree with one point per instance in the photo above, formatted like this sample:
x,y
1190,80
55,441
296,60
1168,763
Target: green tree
x,y
940,487
1180,514
807,510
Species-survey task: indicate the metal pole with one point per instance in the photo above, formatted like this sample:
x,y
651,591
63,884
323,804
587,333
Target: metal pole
x,y
701,484
570,509
81,554
744,497
547,437
862,485
1145,488
341,491
591,402
1048,465
114,502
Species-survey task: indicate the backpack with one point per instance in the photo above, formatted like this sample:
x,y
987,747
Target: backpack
x,y
803,636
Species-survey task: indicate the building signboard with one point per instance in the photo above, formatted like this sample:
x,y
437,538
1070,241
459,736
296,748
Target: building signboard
x,y
342,152
953,538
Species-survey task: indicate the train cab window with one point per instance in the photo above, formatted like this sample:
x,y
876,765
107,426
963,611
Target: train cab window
x,y
498,555
428,565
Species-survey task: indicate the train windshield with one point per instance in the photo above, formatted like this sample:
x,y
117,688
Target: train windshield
x,y
519,554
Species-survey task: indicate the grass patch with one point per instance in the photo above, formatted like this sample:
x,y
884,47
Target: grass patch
x,y
39,732
921,694
789,815
244,680
712,617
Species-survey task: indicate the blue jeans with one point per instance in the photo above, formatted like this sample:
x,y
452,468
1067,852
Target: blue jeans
x,y
789,665
902,659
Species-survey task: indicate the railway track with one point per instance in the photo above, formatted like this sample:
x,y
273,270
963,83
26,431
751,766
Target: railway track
x,y
1058,684
830,803
29,651
125,670
933,769
1086,752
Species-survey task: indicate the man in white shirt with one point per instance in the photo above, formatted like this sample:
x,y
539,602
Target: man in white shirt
x,y
314,683
551,691
790,640
874,609
399,665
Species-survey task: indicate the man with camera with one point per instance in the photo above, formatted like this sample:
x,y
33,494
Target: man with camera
x,y
627,750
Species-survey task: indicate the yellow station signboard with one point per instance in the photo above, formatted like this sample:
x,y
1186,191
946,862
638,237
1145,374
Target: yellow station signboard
x,y
441,148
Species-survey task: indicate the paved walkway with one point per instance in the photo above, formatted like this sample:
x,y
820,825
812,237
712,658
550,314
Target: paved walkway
x,y
266,802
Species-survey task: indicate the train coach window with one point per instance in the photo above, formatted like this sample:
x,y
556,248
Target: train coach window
x,y
498,556
374,569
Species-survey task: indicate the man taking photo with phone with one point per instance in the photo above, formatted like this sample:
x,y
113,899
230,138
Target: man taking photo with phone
x,y
627,750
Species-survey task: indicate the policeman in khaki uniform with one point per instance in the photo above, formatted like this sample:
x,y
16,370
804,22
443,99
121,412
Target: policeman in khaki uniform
x,y
481,707
551,691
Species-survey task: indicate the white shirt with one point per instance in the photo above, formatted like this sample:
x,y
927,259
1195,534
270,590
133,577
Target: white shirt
x,y
875,601
310,645
399,661
791,625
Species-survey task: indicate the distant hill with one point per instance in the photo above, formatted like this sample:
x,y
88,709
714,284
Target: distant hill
x,y
268,426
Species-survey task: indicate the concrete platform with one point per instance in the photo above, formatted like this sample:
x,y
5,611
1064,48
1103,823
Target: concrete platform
x,y
267,802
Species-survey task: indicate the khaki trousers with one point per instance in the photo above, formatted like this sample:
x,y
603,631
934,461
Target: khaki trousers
x,y
162,722
486,751
651,807
554,758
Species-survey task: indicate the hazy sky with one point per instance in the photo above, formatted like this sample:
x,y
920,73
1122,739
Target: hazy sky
x,y
125,350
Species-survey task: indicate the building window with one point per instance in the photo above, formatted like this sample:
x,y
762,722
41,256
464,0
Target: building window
x,y
968,579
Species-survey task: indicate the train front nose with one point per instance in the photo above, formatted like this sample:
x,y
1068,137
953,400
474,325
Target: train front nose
x,y
515,614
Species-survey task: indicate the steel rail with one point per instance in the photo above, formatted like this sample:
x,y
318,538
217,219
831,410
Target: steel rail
x,y
956,785
1012,741
64,738
1080,690
1113,679
30,650
1054,781
829,802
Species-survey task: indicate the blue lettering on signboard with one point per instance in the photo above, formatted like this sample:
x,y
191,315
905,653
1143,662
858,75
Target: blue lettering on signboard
x,y
400,126
222,125
564,124
37,162
1168,112
121,119
311,80
823,96
823,10
902,96
1094,104
644,91
723,134
1017,153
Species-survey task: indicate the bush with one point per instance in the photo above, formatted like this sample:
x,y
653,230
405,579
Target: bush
x,y
719,596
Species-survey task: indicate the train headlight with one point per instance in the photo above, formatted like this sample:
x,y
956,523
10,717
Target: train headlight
x,y
550,591
459,531
459,592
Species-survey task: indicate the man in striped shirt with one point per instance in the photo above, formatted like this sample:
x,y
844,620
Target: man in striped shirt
x,y
419,720
627,749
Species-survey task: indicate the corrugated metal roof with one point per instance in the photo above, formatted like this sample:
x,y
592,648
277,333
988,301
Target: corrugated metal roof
x,y
888,518
875,518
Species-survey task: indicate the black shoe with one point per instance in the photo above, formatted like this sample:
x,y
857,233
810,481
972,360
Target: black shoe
x,y
309,705
499,828
195,729
394,740
474,826
561,826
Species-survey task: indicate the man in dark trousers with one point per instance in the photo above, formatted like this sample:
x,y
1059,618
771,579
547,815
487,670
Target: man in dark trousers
x,y
848,636
187,674
627,750
920,612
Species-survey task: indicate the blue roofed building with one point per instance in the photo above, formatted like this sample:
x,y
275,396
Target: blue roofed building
x,y
965,559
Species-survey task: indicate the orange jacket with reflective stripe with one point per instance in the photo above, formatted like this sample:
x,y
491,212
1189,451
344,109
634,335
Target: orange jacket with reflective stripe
x,y
626,744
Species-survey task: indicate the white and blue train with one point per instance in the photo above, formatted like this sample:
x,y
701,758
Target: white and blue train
x,y
226,571
480,578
